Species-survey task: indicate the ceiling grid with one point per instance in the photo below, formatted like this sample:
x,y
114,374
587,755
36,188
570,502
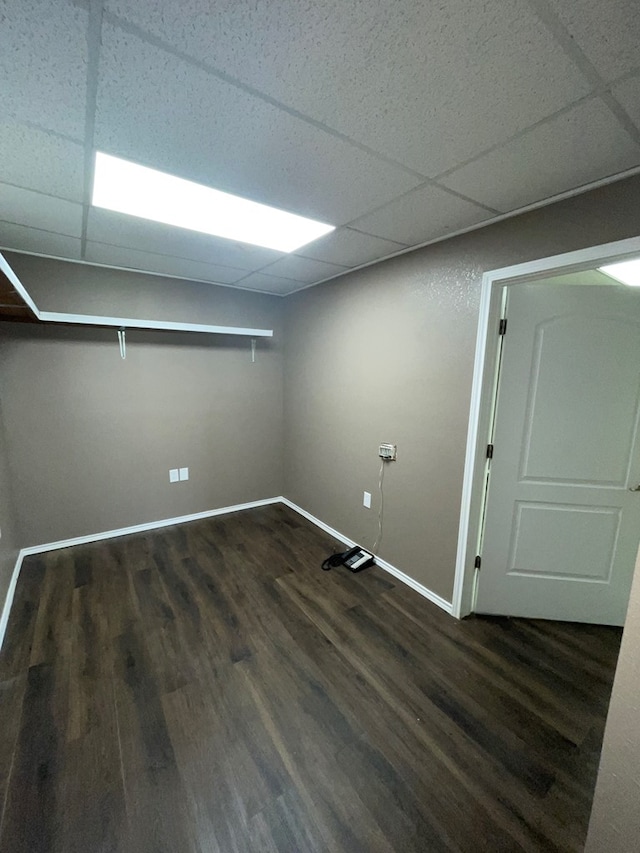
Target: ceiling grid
x,y
401,124
550,17
94,38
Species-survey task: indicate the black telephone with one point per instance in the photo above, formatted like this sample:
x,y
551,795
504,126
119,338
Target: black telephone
x,y
355,560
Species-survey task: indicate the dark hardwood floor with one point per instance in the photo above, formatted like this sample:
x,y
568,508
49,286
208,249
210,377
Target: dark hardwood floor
x,y
208,688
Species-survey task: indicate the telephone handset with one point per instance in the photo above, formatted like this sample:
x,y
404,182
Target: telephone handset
x,y
355,560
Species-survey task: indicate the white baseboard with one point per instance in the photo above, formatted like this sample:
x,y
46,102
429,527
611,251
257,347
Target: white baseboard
x,y
110,534
142,528
8,601
387,567
414,584
330,530
196,516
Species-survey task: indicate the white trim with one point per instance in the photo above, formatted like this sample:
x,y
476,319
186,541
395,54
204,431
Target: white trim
x,y
142,528
111,534
123,322
189,280
196,516
8,601
485,223
128,323
327,529
581,259
387,567
15,281
470,454
409,581
492,283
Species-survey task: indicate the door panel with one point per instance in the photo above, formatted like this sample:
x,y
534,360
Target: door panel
x,y
561,524
553,449
592,531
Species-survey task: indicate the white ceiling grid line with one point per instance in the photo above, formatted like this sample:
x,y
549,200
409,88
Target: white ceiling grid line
x,y
627,93
94,39
400,123
134,30
227,274
127,26
206,130
407,77
206,65
548,13
612,49
561,154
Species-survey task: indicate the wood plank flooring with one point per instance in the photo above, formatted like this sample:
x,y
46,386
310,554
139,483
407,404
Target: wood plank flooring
x,y
208,689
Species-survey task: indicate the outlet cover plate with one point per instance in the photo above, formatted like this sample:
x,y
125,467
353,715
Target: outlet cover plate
x,y
366,500
388,452
173,475
184,473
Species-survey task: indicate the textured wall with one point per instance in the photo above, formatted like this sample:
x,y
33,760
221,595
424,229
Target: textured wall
x,y
615,819
386,354
92,437
82,289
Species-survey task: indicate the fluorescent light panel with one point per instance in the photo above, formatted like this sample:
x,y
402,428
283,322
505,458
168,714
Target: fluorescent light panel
x,y
126,187
626,272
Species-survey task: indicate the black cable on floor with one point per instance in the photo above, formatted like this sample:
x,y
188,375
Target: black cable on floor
x,y
334,561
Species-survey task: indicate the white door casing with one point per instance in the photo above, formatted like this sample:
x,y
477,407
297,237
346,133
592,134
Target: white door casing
x,y
561,524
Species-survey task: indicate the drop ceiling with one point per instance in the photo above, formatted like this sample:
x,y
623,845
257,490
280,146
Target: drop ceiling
x,y
400,123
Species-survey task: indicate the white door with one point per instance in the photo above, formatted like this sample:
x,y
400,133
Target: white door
x,y
562,523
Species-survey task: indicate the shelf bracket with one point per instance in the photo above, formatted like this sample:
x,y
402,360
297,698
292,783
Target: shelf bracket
x,y
122,340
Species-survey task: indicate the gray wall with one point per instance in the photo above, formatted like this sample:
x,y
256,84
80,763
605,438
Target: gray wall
x,y
615,819
386,354
92,437
9,542
82,289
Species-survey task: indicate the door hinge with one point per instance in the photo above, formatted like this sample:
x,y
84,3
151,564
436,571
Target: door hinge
x,y
478,562
502,328
489,451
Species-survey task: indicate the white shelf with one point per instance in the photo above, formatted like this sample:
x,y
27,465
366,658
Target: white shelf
x,y
128,323
124,322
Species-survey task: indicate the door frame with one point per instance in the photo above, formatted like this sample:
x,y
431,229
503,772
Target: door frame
x,y
484,389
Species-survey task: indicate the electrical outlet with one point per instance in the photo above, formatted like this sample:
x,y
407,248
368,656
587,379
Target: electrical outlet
x,y
388,452
366,500
184,473
174,476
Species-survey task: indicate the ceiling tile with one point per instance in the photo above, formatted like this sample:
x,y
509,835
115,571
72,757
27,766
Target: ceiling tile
x,y
43,58
270,284
182,120
132,259
628,94
26,207
427,84
607,32
349,248
117,229
582,145
303,269
423,214
22,238
41,161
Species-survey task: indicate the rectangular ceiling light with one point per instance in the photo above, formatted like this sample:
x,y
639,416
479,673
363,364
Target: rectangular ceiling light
x,y
125,187
626,272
